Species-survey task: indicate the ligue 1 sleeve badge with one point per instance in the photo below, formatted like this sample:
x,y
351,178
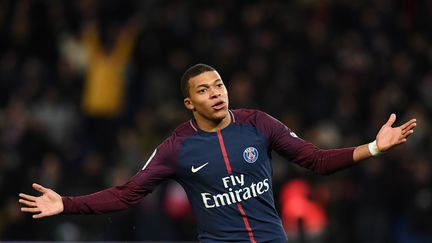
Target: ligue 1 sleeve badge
x,y
250,155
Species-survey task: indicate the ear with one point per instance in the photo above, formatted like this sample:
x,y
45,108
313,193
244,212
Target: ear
x,y
188,103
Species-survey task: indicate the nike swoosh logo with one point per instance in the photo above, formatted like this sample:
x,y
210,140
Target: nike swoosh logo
x,y
194,170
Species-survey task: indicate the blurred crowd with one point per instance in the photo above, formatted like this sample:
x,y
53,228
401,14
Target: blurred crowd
x,y
89,88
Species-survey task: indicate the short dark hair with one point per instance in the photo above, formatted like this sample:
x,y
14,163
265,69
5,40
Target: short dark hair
x,y
191,72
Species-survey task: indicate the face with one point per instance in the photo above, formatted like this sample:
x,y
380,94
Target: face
x,y
208,98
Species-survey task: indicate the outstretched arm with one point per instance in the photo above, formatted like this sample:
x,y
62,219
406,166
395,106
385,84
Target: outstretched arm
x,y
112,199
387,138
156,170
48,204
327,161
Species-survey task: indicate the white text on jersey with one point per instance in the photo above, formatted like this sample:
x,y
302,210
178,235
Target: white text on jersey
x,y
235,196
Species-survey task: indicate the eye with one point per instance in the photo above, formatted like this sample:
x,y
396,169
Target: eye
x,y
202,91
220,85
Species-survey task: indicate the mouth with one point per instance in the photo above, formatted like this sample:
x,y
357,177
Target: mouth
x,y
219,105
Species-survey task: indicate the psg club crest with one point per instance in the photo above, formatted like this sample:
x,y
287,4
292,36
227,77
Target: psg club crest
x,y
250,155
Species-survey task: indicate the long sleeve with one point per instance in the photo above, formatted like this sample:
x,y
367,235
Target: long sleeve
x,y
290,146
323,161
109,200
159,167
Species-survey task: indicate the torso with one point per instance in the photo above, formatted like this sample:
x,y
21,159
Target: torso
x,y
231,195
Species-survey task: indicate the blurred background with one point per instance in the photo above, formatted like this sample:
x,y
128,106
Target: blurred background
x,y
89,88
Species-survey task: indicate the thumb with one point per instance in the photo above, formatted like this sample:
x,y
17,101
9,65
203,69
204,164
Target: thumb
x,y
391,120
39,188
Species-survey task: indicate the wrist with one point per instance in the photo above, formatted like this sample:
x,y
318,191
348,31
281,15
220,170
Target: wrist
x,y
373,148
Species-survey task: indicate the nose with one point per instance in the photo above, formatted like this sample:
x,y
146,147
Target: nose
x,y
214,93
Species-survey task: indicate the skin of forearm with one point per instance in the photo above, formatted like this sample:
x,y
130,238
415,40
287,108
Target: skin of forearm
x,y
361,152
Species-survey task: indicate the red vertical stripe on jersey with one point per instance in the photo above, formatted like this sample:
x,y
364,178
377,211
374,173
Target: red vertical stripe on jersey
x,y
224,153
239,206
246,222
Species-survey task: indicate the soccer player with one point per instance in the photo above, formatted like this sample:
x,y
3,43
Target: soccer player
x,y
222,158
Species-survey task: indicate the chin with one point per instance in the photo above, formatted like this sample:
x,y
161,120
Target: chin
x,y
220,115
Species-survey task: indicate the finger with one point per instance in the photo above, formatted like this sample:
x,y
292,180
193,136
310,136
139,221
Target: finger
x,y
30,210
39,188
407,134
409,127
408,123
38,216
391,120
27,197
27,203
408,131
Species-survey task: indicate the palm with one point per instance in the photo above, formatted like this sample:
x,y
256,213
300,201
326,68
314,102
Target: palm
x,y
389,136
49,203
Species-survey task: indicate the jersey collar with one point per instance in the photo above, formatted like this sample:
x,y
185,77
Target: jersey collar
x,y
194,125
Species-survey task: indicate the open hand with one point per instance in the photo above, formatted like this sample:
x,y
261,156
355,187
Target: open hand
x,y
389,136
48,204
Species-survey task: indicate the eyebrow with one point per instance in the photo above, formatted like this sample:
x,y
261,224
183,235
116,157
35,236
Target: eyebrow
x,y
206,85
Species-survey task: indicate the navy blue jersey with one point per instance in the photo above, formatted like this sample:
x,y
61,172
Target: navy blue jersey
x,y
227,176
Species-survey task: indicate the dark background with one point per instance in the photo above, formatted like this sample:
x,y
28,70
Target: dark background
x,y
332,70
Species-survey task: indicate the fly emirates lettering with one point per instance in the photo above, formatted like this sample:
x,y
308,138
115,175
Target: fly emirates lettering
x,y
234,196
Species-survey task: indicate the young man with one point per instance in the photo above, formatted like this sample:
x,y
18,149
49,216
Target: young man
x,y
222,159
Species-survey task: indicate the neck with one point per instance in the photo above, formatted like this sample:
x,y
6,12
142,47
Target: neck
x,y
212,125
